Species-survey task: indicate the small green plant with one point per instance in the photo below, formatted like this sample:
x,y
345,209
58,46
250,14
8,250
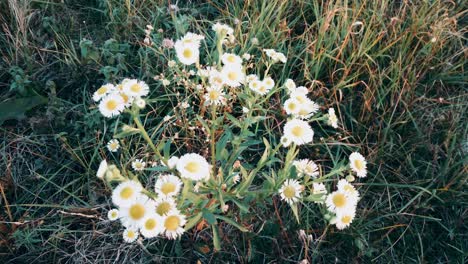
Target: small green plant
x,y
227,95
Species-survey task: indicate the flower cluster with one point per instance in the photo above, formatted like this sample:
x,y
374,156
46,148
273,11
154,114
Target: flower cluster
x,y
205,186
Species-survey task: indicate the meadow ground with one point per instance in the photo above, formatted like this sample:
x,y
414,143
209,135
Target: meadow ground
x,y
394,70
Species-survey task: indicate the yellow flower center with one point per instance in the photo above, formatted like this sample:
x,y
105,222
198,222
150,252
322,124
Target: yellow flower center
x,y
254,85
136,88
262,89
346,219
289,192
126,192
231,58
348,188
124,97
114,214
298,131
113,145
339,200
301,99
192,167
303,112
102,90
172,223
187,53
359,164
168,187
120,87
213,95
150,224
137,211
130,234
268,82
111,105
232,76
163,208
292,106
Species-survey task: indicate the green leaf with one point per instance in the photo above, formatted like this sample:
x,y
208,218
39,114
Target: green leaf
x,y
193,221
295,211
16,108
126,133
216,242
242,207
210,217
232,222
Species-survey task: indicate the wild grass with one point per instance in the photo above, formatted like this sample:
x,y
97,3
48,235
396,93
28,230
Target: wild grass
x,y
394,70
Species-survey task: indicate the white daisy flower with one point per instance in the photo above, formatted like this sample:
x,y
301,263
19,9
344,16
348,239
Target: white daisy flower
x,y
127,100
113,214
192,39
215,78
269,82
232,75
126,192
286,141
113,145
301,97
254,85
222,29
140,102
193,166
345,186
135,212
292,106
306,167
298,131
102,169
318,188
130,235
187,53
262,88
340,201
290,191
171,162
358,164
214,95
278,56
246,56
344,219
103,91
173,224
171,63
251,77
229,58
136,88
152,225
164,205
290,85
165,82
307,109
138,165
111,105
332,118
167,185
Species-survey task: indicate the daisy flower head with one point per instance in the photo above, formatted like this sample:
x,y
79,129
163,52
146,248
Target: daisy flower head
x,y
344,219
232,75
230,58
345,186
135,88
193,166
290,85
332,118
222,29
214,95
306,167
187,53
250,78
135,212
164,205
290,191
111,105
113,145
269,82
318,188
340,201
301,89
130,235
254,85
140,102
126,192
358,164
215,78
275,56
292,106
285,141
113,214
307,109
172,162
262,88
192,39
167,185
174,222
298,131
127,100
103,91
151,226
102,169
138,165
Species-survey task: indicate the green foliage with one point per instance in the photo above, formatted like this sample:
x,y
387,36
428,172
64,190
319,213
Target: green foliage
x,y
399,94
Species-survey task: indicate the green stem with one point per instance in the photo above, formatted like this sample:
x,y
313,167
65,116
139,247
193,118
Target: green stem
x,y
145,135
213,145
